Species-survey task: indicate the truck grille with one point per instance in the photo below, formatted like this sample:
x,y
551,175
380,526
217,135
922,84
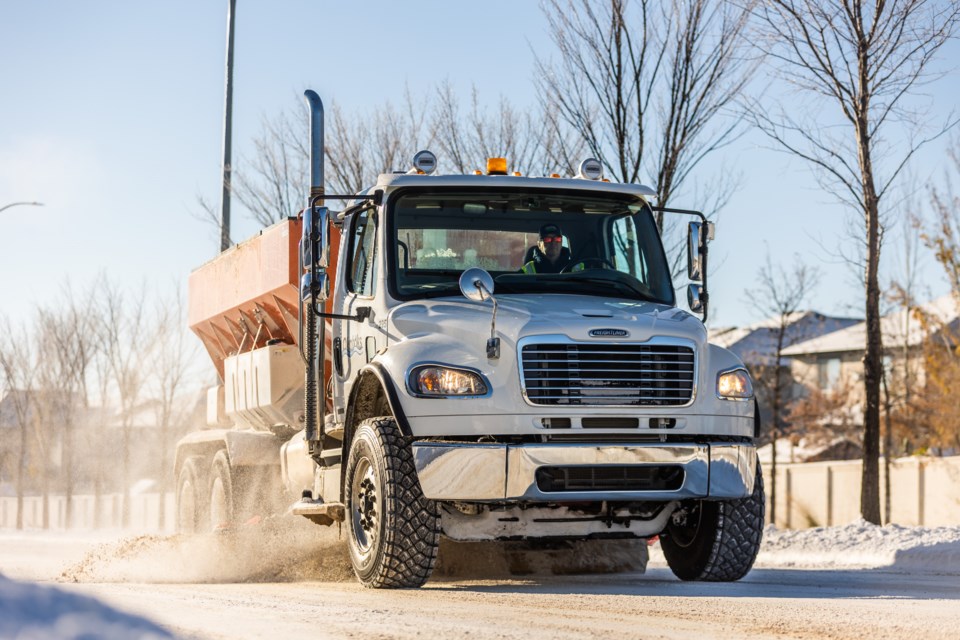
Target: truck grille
x,y
610,478
608,374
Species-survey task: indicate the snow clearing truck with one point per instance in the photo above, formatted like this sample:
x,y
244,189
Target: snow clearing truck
x,y
419,365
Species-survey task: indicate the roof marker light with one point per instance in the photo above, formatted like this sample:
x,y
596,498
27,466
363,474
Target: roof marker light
x,y
477,172
496,166
517,173
554,175
425,162
590,169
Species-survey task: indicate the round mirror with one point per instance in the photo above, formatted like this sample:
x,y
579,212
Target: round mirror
x,y
476,284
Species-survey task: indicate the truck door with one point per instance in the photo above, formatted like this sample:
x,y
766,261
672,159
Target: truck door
x,y
360,284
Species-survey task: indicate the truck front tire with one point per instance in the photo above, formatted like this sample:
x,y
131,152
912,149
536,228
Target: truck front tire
x,y
715,541
393,531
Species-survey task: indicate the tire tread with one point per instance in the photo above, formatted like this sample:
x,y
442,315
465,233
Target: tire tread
x,y
411,535
737,532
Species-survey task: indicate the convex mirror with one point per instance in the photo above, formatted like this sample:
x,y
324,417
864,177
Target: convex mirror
x,y
315,242
695,298
314,289
694,253
476,284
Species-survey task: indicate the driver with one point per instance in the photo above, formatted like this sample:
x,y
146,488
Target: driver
x,y
550,255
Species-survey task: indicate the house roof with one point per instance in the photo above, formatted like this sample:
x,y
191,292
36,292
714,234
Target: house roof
x,y
756,344
894,326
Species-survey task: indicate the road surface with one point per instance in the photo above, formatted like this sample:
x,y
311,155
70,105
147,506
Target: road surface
x,y
246,590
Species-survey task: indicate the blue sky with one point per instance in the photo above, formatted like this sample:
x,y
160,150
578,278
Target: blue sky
x,y
110,114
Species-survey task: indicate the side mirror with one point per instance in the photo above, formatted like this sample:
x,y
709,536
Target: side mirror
x,y
694,261
695,298
315,242
476,284
311,289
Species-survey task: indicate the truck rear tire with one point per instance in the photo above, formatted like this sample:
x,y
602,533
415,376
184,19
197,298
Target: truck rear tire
x,y
715,541
221,492
393,531
191,498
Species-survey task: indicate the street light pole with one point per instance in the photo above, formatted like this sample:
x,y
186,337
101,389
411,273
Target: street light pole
x,y
15,204
227,128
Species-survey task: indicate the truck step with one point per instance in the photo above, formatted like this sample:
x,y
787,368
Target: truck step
x,y
331,457
320,512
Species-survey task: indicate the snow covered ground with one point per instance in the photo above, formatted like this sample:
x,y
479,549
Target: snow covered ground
x,y
845,582
863,545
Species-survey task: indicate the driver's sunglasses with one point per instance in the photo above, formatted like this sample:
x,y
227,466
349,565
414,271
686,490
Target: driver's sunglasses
x,y
550,239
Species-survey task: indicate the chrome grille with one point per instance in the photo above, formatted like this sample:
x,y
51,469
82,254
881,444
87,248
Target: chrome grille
x,y
608,374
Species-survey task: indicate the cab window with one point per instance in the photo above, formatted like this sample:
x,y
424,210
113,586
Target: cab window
x,y
362,268
628,256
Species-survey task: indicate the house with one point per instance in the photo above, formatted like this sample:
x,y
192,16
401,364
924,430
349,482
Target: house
x,y
827,361
828,371
756,346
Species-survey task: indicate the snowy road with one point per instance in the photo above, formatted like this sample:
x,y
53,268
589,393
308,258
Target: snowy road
x,y
770,602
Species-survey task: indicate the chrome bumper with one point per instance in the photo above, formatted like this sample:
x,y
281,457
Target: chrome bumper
x,y
494,472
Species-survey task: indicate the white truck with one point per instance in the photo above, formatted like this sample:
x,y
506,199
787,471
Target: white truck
x,y
458,381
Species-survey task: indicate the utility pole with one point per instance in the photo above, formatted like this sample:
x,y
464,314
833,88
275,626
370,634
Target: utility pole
x,y
227,127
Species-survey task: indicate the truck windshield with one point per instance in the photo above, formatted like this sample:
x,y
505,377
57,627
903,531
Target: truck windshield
x,y
530,242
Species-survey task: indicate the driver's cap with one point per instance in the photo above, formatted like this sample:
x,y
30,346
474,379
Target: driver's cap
x,y
550,229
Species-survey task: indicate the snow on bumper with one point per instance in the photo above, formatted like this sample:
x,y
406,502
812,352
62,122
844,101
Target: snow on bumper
x,y
496,472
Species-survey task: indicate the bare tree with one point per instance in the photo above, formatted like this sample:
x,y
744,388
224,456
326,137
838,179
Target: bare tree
x,y
361,145
942,234
534,142
645,83
863,59
781,294
18,367
68,345
272,182
898,406
274,179
126,346
169,367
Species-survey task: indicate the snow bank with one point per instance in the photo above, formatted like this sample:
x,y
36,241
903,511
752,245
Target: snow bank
x,y
864,545
31,611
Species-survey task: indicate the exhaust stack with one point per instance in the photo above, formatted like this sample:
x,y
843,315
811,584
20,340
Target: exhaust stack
x,y
311,327
316,144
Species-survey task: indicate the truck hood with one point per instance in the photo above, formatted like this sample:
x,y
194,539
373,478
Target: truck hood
x,y
518,316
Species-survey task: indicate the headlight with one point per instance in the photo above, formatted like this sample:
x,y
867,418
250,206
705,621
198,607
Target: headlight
x,y
437,381
735,384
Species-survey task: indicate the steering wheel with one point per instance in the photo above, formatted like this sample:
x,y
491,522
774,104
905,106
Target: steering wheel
x,y
603,262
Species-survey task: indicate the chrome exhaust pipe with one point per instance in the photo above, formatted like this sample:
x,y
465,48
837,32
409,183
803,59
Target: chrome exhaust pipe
x,y
316,144
312,328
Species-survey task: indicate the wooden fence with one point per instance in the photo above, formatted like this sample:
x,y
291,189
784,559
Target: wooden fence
x,y
924,491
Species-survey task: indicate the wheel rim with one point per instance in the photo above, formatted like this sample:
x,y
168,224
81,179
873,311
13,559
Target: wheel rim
x,y
218,505
684,526
364,513
186,513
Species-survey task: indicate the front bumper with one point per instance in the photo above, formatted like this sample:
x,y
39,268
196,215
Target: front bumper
x,y
498,472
